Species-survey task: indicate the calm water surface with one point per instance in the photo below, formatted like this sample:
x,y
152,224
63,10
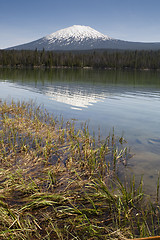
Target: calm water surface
x,y
126,100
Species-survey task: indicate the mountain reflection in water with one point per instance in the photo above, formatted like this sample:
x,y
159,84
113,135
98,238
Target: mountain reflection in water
x,y
129,101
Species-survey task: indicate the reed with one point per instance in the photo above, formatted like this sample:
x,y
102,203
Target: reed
x,y
59,182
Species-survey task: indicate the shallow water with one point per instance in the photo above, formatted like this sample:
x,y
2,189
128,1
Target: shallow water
x,y
129,101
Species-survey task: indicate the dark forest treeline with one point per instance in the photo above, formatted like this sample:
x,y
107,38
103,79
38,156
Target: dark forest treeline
x,y
94,59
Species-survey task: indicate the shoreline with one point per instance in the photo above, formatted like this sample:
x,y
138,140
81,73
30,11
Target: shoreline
x,y
83,68
57,181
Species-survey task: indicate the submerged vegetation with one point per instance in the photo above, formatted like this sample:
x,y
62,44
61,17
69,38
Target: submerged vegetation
x,y
57,182
115,59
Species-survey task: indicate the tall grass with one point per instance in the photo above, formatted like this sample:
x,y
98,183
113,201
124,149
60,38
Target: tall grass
x,y
58,182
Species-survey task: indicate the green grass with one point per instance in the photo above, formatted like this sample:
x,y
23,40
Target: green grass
x,y
58,182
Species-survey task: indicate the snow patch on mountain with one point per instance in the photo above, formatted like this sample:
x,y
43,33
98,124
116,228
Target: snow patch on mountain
x,y
77,33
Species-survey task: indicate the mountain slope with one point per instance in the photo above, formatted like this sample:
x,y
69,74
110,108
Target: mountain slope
x,y
82,38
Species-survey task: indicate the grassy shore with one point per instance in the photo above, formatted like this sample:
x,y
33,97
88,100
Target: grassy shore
x,y
57,182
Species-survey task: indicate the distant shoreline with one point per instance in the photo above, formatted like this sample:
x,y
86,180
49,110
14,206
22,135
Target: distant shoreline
x,y
83,68
114,60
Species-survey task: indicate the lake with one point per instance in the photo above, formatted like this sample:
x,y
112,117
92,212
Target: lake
x,y
129,101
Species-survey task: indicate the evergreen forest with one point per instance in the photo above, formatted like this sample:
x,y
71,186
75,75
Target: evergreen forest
x,y
83,59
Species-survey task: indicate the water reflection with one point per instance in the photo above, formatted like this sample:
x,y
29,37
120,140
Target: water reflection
x,y
83,88
127,100
77,99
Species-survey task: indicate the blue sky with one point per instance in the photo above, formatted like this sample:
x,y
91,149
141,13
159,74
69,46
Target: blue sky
x,y
22,21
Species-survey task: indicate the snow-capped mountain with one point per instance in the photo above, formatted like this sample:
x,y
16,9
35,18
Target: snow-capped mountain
x,y
77,33
80,37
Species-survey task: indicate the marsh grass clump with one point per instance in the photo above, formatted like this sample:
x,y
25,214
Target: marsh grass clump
x,y
58,182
